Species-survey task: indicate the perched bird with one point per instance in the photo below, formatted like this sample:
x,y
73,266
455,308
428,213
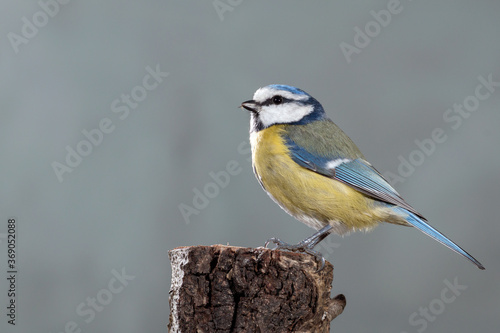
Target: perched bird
x,y
314,171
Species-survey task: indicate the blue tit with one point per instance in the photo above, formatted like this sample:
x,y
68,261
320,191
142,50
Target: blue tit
x,y
314,171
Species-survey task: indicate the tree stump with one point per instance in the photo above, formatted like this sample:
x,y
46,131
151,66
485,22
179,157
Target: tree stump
x,y
231,289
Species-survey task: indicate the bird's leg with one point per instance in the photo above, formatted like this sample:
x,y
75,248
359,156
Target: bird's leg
x,y
306,245
313,240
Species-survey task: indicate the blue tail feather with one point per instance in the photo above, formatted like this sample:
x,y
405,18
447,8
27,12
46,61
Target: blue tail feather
x,y
427,229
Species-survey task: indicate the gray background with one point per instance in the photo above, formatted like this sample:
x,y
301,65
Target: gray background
x,y
120,207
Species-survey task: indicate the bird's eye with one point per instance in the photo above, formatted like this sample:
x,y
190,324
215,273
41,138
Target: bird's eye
x,y
277,99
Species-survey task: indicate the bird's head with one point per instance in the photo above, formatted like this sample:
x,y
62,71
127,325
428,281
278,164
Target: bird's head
x,y
282,104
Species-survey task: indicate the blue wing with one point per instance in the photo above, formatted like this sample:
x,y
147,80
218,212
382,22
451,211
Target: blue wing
x,y
362,176
356,173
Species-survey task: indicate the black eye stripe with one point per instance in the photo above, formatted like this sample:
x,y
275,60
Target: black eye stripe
x,y
284,100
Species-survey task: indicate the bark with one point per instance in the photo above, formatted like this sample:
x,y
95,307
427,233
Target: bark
x,y
231,289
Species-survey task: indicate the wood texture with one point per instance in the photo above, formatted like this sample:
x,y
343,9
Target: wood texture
x,y
231,289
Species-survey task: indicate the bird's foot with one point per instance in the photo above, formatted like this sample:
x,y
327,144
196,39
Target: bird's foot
x,y
300,247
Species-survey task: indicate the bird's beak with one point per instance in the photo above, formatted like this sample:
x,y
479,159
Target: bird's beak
x,y
249,105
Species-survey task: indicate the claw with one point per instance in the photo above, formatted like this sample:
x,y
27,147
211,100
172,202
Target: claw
x,y
301,247
278,242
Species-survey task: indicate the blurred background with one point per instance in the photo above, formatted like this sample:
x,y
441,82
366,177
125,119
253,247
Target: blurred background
x,y
117,117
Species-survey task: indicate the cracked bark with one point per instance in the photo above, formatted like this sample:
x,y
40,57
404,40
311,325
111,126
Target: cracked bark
x,y
231,289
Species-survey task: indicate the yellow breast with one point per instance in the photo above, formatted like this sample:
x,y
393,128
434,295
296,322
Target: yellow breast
x,y
310,197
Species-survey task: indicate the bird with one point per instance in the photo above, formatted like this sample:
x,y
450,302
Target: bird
x,y
318,175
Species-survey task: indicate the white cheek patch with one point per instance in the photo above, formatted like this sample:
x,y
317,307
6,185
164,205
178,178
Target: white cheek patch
x,y
284,113
263,94
335,163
